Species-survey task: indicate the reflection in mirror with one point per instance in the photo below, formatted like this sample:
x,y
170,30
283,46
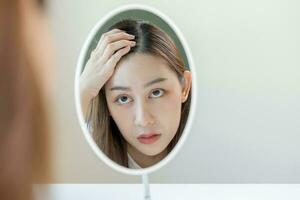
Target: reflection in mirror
x,y
135,93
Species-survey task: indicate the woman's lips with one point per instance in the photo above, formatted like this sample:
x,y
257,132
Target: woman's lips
x,y
149,138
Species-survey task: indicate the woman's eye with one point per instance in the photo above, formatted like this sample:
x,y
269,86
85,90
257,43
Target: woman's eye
x,y
157,93
123,100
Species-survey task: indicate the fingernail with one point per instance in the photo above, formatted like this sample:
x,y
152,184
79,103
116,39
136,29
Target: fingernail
x,y
131,36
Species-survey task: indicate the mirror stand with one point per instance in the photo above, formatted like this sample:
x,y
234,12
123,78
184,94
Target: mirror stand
x,y
145,181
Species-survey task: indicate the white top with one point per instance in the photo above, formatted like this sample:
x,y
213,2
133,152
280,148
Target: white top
x,y
132,164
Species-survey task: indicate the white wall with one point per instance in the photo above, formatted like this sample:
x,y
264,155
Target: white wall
x,y
248,67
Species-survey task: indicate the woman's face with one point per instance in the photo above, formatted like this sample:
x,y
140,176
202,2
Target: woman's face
x,y
144,98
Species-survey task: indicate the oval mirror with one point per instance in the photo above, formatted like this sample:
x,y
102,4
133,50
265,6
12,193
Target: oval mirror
x,y
135,89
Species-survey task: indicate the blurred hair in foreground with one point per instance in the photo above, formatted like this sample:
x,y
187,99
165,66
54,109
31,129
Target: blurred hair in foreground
x,y
24,137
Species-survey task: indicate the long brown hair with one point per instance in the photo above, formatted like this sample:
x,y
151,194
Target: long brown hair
x,y
24,152
149,40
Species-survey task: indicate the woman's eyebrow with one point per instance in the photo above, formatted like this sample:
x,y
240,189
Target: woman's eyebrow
x,y
157,80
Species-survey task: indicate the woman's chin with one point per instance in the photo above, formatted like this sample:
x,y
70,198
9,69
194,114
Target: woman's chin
x,y
152,152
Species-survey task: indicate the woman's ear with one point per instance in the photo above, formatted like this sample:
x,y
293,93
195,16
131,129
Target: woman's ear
x,y
186,85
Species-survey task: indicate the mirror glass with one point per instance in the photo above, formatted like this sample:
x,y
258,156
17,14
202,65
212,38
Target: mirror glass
x,y
133,89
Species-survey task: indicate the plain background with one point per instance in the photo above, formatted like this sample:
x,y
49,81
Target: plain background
x,y
246,128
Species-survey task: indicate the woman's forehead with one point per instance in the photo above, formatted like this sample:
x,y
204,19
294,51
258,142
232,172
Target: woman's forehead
x,y
138,69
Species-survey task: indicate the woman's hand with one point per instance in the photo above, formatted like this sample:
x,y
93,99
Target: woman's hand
x,y
101,64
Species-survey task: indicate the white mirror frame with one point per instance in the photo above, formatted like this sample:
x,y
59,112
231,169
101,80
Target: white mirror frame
x,y
80,65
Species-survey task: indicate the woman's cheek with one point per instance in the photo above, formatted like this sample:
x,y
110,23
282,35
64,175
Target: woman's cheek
x,y
118,112
122,116
169,107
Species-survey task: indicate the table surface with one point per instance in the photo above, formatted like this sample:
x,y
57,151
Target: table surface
x,y
167,191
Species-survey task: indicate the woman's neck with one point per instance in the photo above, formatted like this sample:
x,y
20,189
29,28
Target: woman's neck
x,y
144,160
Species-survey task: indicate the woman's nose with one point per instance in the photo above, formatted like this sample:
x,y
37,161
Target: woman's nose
x,y
143,116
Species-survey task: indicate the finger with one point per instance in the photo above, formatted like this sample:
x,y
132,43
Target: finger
x,y
113,47
96,51
108,37
106,34
113,38
114,59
